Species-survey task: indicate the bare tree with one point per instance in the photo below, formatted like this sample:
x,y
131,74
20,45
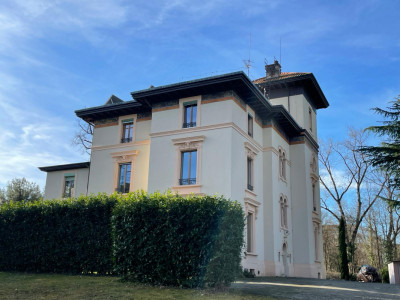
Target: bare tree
x,y
83,137
351,184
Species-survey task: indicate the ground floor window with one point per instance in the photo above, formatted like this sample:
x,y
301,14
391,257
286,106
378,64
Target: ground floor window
x,y
124,178
250,231
69,186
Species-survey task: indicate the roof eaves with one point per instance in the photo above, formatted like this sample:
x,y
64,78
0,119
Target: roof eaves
x,y
72,166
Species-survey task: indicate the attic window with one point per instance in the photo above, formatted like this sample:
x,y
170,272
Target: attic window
x,y
127,131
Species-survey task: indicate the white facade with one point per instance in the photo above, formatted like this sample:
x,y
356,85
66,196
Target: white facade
x,y
281,198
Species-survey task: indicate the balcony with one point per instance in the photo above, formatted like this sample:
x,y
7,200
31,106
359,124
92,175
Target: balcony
x,y
187,181
189,125
126,140
122,188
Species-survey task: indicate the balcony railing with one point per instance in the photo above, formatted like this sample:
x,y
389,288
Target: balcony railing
x,y
126,140
187,181
122,188
190,124
249,187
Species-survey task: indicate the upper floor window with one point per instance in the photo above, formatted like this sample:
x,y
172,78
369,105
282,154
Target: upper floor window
x,y
314,197
69,186
250,174
190,114
250,125
310,118
284,217
127,131
282,163
124,178
188,167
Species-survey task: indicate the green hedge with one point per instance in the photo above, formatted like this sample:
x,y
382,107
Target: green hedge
x,y
65,236
170,240
158,239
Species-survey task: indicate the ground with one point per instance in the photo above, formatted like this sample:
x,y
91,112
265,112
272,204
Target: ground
x,y
52,286
305,288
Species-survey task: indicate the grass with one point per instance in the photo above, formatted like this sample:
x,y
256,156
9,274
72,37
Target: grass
x,y
56,286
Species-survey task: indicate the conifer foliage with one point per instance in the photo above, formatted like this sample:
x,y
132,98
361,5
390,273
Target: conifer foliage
x,y
344,268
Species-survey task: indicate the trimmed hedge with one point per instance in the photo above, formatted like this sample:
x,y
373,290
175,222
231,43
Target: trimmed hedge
x,y
170,240
63,236
157,239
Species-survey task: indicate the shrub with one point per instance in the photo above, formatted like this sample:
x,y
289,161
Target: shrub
x,y
385,275
66,236
170,240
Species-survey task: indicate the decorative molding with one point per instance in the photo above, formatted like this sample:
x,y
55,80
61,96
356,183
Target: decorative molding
x,y
121,145
188,143
251,151
125,156
251,205
164,108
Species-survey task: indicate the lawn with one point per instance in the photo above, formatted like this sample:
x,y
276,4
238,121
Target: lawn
x,y
55,286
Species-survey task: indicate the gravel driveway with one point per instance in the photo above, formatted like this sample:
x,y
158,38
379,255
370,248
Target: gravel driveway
x,y
305,288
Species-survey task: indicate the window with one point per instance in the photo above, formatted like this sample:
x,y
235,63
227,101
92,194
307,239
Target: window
x,y
69,186
282,164
316,241
250,125
310,118
188,167
284,217
250,174
190,114
124,178
127,131
314,197
249,223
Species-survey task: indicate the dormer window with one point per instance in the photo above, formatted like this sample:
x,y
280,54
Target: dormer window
x,y
127,131
190,114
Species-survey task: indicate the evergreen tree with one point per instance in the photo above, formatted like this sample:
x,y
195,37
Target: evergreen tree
x,y
387,155
20,190
344,267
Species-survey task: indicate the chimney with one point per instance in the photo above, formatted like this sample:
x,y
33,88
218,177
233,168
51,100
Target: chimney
x,y
273,70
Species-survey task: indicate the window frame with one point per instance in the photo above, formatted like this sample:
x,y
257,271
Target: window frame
x,y
283,208
186,106
72,191
251,208
183,102
118,188
123,158
282,164
250,125
189,179
126,120
250,173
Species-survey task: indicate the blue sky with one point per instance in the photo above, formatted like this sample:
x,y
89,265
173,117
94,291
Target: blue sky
x,y
59,56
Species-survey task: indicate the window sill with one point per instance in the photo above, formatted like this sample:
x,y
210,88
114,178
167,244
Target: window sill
x,y
251,253
187,189
315,212
250,192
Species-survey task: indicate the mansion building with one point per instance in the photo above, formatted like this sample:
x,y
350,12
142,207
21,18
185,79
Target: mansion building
x,y
251,141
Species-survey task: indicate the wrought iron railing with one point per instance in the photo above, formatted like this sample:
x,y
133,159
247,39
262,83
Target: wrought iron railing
x,y
190,124
187,181
122,188
249,187
126,140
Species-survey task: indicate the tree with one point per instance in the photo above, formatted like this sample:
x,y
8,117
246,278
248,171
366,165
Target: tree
x,y
20,190
387,155
343,262
351,185
83,137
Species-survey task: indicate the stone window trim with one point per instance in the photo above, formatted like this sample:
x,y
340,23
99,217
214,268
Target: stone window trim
x,y
316,231
251,207
124,157
283,213
121,127
283,162
183,145
314,164
251,153
71,173
182,103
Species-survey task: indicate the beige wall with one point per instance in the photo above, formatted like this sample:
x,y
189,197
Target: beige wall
x,y
55,183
